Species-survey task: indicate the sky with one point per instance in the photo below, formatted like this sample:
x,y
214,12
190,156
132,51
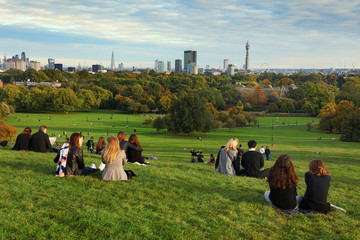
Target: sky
x,y
282,34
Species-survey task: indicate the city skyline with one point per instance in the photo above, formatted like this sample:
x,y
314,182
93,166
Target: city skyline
x,y
297,34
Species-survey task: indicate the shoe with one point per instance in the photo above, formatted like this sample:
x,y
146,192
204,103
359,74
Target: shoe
x,y
93,165
102,166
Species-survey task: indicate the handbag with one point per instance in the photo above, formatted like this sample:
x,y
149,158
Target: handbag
x,y
130,174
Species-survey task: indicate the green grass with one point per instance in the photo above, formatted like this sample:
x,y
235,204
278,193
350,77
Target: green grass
x,y
172,199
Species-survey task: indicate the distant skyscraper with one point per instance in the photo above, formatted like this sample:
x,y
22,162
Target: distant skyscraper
x,y
97,68
23,57
189,58
231,69
178,65
21,65
59,66
169,66
226,63
247,46
112,67
35,65
51,63
156,65
161,66
121,67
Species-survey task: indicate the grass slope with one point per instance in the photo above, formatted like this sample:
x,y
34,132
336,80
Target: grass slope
x,y
174,199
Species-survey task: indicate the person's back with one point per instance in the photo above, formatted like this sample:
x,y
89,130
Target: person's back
x,y
253,161
23,142
115,171
40,140
75,161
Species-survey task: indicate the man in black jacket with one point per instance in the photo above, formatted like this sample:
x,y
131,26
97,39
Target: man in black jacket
x,y
40,141
253,161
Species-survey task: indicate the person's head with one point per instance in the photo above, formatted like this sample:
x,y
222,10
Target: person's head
x,y
211,155
112,149
43,128
232,143
27,130
266,147
252,144
134,140
121,136
282,175
240,146
100,143
91,138
66,139
262,146
200,152
317,167
76,139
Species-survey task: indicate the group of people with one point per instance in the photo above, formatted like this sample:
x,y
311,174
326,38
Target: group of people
x,y
281,177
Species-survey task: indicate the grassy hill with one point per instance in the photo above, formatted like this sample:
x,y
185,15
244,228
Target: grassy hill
x,y
172,198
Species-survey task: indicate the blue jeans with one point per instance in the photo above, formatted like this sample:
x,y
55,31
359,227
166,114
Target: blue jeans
x,y
87,170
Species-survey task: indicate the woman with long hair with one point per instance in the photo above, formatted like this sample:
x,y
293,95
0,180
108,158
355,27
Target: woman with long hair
x,y
114,159
75,162
317,181
133,155
23,140
227,156
100,146
124,143
283,180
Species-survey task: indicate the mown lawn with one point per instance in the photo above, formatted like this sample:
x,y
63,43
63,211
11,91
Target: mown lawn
x,y
172,198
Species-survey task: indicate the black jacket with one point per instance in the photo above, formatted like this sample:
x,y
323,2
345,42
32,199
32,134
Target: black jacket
x,y
75,161
253,161
40,142
22,142
124,145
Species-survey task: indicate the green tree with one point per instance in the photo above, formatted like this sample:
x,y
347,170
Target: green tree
x,y
65,100
273,107
190,114
159,124
351,127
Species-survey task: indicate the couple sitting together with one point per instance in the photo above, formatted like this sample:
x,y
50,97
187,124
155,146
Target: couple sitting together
x,y
70,158
229,159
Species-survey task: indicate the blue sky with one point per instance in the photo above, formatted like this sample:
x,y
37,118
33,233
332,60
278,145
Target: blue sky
x,y
282,34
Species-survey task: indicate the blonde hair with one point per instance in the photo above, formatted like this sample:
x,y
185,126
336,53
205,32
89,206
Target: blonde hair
x,y
232,143
317,167
112,149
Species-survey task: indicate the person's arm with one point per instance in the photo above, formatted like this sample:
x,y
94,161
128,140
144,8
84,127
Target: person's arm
x,y
47,141
56,159
133,147
80,159
261,161
16,143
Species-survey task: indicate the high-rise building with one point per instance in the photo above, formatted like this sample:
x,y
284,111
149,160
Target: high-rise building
x,y
35,65
51,63
231,69
169,66
156,65
112,67
59,66
71,69
23,57
178,65
21,65
189,58
9,65
161,66
97,68
226,63
193,69
121,67
247,46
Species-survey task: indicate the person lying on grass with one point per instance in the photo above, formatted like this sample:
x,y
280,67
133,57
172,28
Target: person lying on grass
x,y
283,180
317,186
114,159
75,162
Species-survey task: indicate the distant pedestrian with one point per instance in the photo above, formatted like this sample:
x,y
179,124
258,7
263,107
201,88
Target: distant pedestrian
x,y
267,153
262,150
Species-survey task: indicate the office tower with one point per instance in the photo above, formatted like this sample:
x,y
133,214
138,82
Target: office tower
x,y
169,66
178,65
161,66
193,69
156,65
79,67
23,57
35,65
247,46
9,65
71,69
21,65
112,67
189,58
226,63
51,63
97,68
121,67
231,69
59,66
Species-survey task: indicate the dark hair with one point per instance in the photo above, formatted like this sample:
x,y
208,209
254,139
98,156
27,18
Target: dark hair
x,y
75,140
318,168
252,144
134,140
27,130
100,143
121,136
282,175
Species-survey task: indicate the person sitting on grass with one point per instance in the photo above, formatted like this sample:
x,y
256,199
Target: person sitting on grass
x,y
100,146
200,157
226,158
23,140
61,159
253,161
114,159
75,163
40,141
317,186
283,181
124,143
133,155
90,144
212,159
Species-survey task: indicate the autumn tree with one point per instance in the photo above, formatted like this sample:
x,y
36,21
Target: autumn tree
x,y
257,97
326,115
342,110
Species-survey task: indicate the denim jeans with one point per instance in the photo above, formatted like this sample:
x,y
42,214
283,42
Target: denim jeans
x,y
87,170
